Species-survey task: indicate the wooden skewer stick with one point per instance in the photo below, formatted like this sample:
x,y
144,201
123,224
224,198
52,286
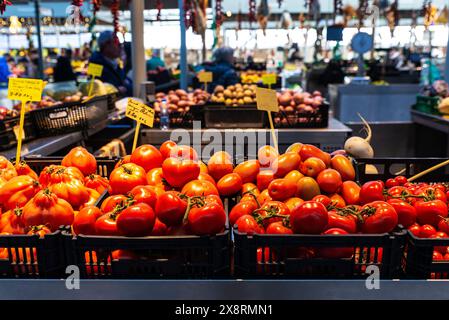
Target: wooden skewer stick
x,y
419,175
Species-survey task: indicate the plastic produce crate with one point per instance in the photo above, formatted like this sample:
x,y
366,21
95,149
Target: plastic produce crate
x,y
153,257
427,104
390,167
8,138
28,256
221,116
70,117
320,119
418,262
288,256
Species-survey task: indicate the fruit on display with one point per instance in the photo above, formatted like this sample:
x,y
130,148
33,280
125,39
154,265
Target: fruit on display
x,y
180,100
235,95
251,76
98,88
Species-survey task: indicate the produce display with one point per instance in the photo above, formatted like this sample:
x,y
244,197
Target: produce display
x,y
235,95
251,76
180,100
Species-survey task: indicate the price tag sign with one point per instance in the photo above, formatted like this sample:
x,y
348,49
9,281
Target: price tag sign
x,y
25,90
267,100
95,70
140,112
269,79
205,76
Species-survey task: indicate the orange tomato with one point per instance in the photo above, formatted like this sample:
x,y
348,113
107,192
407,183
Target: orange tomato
x,y
294,176
307,151
264,178
229,184
293,203
329,180
80,158
281,189
248,170
337,200
219,165
285,163
312,166
350,191
344,166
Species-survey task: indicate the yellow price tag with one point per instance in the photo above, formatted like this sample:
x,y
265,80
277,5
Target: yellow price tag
x,y
95,70
142,114
204,76
269,79
25,89
267,100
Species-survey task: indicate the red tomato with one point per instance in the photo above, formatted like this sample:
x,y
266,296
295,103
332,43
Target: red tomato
x,y
293,203
206,177
329,180
401,180
432,193
123,160
344,166
426,231
73,191
80,158
166,148
278,228
321,198
178,172
437,256
406,212
229,184
219,165
396,192
248,170
310,218
338,201
247,224
111,202
391,183
11,222
281,189
147,156
136,220
264,178
155,178
184,152
415,229
372,191
143,194
84,222
378,217
96,182
308,151
170,208
250,188
439,235
443,225
338,252
207,220
350,191
7,170
277,208
16,192
430,212
159,228
199,188
343,221
240,209
106,225
285,163
124,178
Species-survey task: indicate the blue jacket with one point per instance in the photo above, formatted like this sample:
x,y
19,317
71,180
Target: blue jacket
x,y
223,74
4,71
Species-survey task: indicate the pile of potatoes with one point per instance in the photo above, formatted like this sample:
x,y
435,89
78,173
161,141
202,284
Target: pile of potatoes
x,y
181,100
236,95
291,101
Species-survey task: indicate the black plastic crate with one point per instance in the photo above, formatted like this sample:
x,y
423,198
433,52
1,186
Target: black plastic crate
x,y
418,261
28,256
288,256
70,117
221,116
391,167
319,119
7,136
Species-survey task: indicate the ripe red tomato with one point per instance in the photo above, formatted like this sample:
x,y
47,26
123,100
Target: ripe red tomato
x,y
401,180
439,235
281,189
155,178
426,231
206,177
278,227
84,222
396,192
285,163
7,170
378,217
16,192
321,198
443,225
329,180
143,194
430,212
159,228
343,221
247,224
350,191
250,188
264,178
136,220
312,166
310,218
263,197
391,183
11,222
209,219
73,191
123,160
106,225
111,202
170,208
415,229
219,165
338,252
199,188
337,201
240,209
124,178
80,158
437,256
178,172
147,157
96,182
294,202
229,184
166,148
248,170
406,212
372,191
432,193
273,207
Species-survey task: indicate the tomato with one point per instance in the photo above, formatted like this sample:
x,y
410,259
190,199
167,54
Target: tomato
x,y
336,252
206,177
247,224
278,228
240,209
321,198
111,202
426,231
264,178
219,165
199,188
263,256
431,193
93,198
293,203
276,208
396,192
166,148
329,180
7,170
415,229
391,183
96,182
55,174
443,225
155,178
178,172
430,212
23,169
84,222
309,218
184,152
337,201
294,176
295,147
212,198
371,191
343,221
307,188
106,225
41,231
80,158
123,160
281,189
17,191
11,222
203,167
378,217
312,166
73,191
147,157
229,184
250,188
170,208
263,197
401,180
47,209
143,194
350,191
437,256
285,163
344,166
267,156
406,212
124,178
439,235
159,228
136,220
206,220
248,170
308,151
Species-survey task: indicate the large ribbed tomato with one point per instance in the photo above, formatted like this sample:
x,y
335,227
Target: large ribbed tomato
x,y
80,158
18,191
96,182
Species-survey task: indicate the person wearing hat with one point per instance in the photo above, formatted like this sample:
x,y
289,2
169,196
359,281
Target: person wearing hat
x,y
109,51
222,68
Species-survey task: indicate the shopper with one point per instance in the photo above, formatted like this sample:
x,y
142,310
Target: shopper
x,y
63,70
222,68
4,72
107,56
155,61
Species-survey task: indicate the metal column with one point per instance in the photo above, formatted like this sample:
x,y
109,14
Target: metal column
x,y
138,52
40,67
183,52
446,66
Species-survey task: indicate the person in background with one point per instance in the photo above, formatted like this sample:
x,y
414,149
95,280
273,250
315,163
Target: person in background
x,y
155,61
63,70
5,73
222,68
107,56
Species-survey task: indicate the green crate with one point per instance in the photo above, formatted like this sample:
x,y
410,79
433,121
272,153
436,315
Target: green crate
x,y
427,104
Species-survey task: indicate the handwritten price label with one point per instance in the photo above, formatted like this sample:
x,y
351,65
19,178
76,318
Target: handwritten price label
x,y
205,76
267,100
94,69
25,89
269,79
140,112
